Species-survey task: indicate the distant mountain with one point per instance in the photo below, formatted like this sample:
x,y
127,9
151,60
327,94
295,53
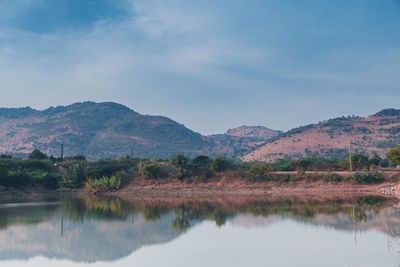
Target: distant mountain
x,y
374,134
109,130
95,130
238,141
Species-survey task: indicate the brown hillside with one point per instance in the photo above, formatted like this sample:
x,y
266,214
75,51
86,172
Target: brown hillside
x,y
373,134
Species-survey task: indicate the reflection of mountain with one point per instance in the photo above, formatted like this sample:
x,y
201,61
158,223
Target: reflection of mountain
x,y
386,220
89,230
89,240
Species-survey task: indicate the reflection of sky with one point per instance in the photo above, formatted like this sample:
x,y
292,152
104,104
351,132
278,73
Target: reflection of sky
x,y
286,243
209,64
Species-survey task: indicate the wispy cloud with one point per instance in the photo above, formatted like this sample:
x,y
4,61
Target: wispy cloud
x,y
209,65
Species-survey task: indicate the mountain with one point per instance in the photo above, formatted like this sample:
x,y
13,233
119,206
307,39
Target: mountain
x,y
96,130
238,141
109,130
368,135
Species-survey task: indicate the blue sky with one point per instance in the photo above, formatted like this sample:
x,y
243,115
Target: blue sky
x,y
211,64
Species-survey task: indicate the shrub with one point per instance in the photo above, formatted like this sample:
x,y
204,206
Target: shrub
x,y
360,161
220,165
112,183
153,170
333,177
35,165
368,178
108,168
282,165
181,163
259,173
51,180
16,178
394,155
37,154
75,176
201,167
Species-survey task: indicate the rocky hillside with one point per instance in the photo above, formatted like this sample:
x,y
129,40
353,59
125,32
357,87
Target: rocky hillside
x,y
238,141
374,134
96,130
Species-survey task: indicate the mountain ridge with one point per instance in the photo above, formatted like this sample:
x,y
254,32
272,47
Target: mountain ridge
x,y
374,134
109,130
96,130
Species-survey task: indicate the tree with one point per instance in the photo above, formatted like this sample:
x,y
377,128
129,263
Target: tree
x,y
153,170
260,172
37,154
220,165
360,161
301,165
200,167
181,163
76,175
375,160
394,155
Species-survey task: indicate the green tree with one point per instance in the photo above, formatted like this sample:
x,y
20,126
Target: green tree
x,y
259,172
37,154
220,165
360,161
200,167
153,170
394,155
76,175
301,165
375,160
181,163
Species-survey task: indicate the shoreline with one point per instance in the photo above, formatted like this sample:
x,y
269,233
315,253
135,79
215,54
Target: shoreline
x,y
240,188
219,189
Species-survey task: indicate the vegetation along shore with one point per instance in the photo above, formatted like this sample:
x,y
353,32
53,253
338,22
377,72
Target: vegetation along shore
x,y
200,176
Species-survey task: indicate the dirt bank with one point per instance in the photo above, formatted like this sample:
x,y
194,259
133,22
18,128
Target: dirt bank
x,y
239,188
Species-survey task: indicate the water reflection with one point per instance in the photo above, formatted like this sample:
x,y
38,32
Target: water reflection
x,y
90,230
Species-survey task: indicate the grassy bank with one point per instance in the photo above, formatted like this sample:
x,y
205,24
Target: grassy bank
x,y
103,176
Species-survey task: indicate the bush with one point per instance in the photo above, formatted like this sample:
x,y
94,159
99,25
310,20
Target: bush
x,y
16,179
333,177
112,183
201,167
37,154
108,168
394,155
75,176
153,170
259,173
220,165
368,178
51,180
181,163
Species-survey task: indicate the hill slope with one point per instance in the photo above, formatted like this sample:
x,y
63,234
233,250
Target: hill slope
x,y
241,140
96,130
373,134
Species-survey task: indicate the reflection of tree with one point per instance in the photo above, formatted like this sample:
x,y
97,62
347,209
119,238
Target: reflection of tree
x,y
81,209
181,223
185,214
26,214
153,213
96,208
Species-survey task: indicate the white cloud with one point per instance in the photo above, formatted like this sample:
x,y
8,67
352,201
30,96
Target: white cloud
x,y
170,58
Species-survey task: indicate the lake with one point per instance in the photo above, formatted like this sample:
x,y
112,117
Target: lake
x,y
172,232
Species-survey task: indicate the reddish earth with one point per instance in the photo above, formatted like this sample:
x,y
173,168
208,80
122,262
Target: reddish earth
x,y
234,188
373,134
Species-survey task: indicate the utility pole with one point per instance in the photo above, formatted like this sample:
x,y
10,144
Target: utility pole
x,y
131,152
350,158
62,151
140,165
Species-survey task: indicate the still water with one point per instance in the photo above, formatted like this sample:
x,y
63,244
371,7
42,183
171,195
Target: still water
x,y
112,232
